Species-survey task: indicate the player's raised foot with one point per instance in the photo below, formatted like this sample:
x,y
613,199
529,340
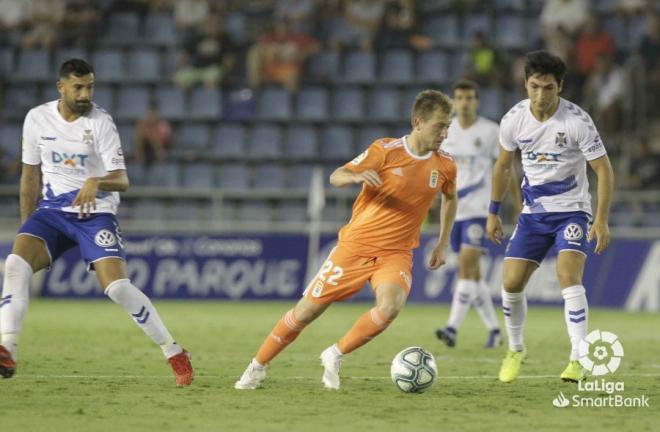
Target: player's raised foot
x,y
182,368
511,365
7,363
447,335
574,372
331,361
494,339
252,377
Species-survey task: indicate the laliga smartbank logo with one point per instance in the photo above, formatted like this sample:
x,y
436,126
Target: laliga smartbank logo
x,y
601,353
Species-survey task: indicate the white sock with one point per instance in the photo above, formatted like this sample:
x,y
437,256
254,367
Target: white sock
x,y
576,311
14,301
483,303
144,313
514,306
460,304
258,365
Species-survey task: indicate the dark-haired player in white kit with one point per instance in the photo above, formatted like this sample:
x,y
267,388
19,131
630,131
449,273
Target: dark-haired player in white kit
x,y
557,140
71,145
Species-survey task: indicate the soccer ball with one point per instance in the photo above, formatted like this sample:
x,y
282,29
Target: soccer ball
x,y
413,370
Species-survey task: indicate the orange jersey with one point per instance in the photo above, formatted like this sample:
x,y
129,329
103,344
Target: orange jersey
x,y
389,218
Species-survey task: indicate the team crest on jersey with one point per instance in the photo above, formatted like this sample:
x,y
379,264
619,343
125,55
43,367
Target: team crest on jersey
x,y
433,180
105,238
560,139
362,156
88,138
573,232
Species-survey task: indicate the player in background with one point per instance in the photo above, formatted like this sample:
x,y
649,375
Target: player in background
x,y
71,145
473,142
556,138
400,178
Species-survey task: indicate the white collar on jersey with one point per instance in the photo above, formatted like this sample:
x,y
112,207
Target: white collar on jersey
x,y
413,155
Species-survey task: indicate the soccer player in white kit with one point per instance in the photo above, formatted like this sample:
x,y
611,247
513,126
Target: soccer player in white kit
x,y
556,139
72,147
473,141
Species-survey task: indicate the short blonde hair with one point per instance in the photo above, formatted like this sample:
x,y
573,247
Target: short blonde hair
x,y
429,101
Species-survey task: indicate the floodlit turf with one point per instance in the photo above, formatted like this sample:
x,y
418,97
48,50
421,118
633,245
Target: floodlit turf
x,y
84,366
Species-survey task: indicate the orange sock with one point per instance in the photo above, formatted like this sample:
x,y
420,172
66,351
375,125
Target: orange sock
x,y
285,331
367,327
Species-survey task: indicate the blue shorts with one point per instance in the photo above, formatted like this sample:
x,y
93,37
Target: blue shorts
x,y
98,235
536,233
468,232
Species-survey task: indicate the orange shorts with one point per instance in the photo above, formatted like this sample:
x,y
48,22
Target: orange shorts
x,y
345,272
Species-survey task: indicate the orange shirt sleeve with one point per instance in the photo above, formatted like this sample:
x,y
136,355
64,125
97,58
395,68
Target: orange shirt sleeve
x,y
372,158
449,174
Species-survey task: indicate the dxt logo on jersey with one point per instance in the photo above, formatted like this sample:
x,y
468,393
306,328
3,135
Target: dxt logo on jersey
x,y
539,157
70,160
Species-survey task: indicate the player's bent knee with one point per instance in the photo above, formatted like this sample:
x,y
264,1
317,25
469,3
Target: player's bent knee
x,y
307,311
32,250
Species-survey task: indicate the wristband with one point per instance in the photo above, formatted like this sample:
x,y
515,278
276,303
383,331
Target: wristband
x,y
494,207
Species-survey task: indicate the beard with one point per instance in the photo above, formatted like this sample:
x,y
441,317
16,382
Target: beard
x,y
80,107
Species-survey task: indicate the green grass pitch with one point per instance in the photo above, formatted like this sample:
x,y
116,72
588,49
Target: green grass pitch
x,y
84,366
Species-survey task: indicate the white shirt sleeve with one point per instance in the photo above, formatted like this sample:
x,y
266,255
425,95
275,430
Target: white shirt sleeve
x,y
109,146
507,140
31,152
587,137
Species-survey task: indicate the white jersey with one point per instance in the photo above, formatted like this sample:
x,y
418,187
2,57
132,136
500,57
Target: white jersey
x,y
553,156
474,150
70,153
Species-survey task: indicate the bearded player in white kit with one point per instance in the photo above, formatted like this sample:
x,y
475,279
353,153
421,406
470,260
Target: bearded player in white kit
x,y
72,147
557,140
473,141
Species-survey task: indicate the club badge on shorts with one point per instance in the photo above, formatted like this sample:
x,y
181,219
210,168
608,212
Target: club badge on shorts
x,y
433,180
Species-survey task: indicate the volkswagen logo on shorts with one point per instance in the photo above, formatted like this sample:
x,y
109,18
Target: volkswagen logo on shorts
x,y
573,232
105,238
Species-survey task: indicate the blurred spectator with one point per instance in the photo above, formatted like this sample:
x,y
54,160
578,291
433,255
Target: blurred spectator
x,y
80,22
12,18
560,21
398,27
278,57
358,24
10,168
44,21
631,7
207,56
152,138
299,14
482,63
190,14
604,93
592,42
645,167
649,50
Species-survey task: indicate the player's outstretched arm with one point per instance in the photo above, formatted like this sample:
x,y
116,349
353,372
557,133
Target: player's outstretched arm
x,y
447,217
501,179
342,176
29,191
114,181
600,228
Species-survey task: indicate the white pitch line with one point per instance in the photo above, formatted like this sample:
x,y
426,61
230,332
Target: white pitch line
x,y
303,378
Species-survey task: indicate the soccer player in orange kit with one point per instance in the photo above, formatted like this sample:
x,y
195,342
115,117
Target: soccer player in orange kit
x,y
400,178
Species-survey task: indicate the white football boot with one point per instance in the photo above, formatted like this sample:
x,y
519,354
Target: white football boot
x,y
331,361
252,377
